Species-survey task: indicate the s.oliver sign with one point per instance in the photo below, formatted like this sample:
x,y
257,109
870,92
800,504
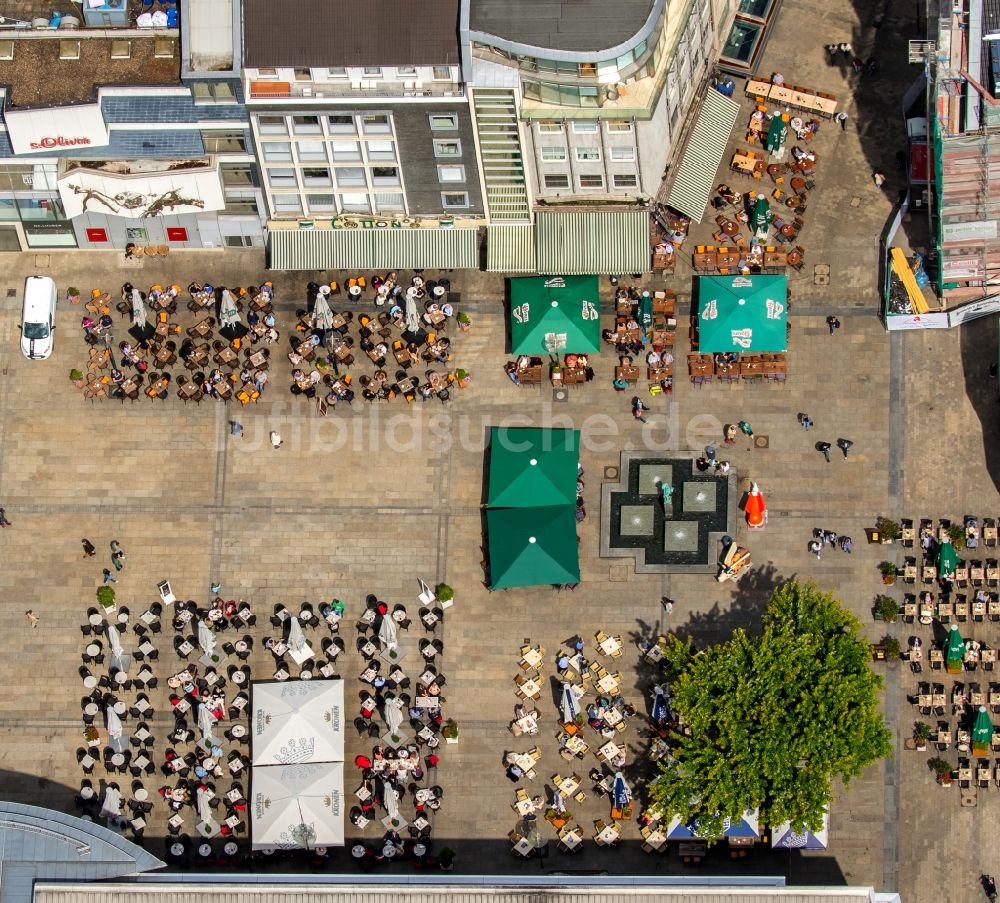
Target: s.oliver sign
x,y
58,129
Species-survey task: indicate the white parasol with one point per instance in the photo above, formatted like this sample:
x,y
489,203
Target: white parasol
x,y
207,640
393,714
112,804
391,801
114,723
228,313
387,634
138,308
206,722
115,641
568,702
204,810
412,317
299,649
323,314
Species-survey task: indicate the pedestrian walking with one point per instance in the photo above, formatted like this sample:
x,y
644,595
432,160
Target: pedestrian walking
x,y
846,544
806,421
3,519
88,548
841,117
816,547
668,605
236,429
710,454
637,408
833,323
117,555
108,578
275,439
878,177
215,588
824,449
746,429
32,618
730,434
844,445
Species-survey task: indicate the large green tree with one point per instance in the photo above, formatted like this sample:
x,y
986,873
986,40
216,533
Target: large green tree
x,y
772,719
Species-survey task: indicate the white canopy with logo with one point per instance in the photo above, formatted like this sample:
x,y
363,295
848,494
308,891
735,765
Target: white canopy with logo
x,y
298,721
295,806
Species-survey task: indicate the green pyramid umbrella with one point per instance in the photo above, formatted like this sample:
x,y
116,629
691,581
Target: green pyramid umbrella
x,y
742,314
776,133
531,467
533,546
954,650
947,559
760,219
982,731
645,315
555,315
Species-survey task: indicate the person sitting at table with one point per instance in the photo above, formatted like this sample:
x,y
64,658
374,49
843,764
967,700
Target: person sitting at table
x,y
653,359
510,368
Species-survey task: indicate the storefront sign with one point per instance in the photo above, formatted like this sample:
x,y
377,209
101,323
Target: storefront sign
x,y
974,310
961,268
143,195
935,320
974,231
59,129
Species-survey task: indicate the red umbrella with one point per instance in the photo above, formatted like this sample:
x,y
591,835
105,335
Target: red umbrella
x,y
755,509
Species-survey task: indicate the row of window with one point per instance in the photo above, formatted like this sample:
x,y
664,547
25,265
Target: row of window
x,y
285,205
588,154
439,73
594,180
585,126
349,176
346,124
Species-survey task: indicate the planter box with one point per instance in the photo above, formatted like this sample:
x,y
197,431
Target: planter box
x,y
447,604
451,739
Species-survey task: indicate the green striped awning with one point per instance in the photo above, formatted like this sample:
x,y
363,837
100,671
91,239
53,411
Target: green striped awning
x,y
510,248
702,155
372,249
601,243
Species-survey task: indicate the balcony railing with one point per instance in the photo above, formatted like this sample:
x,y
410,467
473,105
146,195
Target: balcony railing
x,y
270,90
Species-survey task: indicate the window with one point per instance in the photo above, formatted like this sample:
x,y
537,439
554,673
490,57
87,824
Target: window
x,y
286,204
372,71
336,72
619,125
381,150
389,202
98,235
225,141
350,176
340,124
306,125
69,50
385,175
451,200
120,50
277,150
447,147
177,233
406,71
266,74
557,180
238,241
355,203
549,125
346,150
240,205
451,173
164,49
322,203
442,73
281,178
624,181
623,154
591,181
584,127
236,174
588,154
310,151
375,123
553,154
212,92
272,125
587,70
303,75
316,176
442,122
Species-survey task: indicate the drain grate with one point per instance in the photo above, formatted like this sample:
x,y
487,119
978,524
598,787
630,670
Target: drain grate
x,y
560,396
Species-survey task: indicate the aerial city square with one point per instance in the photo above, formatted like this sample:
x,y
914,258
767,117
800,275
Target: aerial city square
x,y
499,446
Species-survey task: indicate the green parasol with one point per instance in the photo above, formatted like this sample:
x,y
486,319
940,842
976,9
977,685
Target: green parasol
x,y
531,467
947,559
555,315
533,546
760,219
645,315
954,650
776,133
982,732
742,314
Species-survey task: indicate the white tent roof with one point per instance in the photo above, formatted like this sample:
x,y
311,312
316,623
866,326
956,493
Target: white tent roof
x,y
286,796
298,721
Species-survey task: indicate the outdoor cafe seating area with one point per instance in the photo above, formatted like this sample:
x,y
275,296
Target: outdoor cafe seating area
x,y
399,342
226,358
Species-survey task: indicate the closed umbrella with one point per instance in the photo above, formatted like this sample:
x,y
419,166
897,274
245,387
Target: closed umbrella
x,y
947,559
112,804
412,317
760,219
387,634
206,722
776,133
621,792
391,800
645,314
322,314
954,650
661,710
115,641
114,723
982,732
393,714
299,649
569,703
138,308
206,639
229,317
204,809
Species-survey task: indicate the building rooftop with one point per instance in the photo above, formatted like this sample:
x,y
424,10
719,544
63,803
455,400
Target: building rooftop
x,y
29,10
37,77
317,33
577,26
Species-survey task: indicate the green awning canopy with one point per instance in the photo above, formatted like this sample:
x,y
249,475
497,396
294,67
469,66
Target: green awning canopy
x,y
373,249
607,243
533,546
555,314
702,155
947,559
510,248
742,313
531,466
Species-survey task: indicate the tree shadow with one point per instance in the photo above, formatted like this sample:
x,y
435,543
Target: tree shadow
x,y
978,344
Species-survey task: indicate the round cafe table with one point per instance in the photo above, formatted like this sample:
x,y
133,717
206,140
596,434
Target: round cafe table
x,y
306,675
238,730
389,850
90,708
788,231
305,616
118,759
93,649
86,793
141,794
240,646
119,708
120,677
205,850
177,849
239,677
230,849
419,849
95,619
90,681
358,851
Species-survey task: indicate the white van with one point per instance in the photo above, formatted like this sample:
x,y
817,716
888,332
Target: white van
x,y
38,317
